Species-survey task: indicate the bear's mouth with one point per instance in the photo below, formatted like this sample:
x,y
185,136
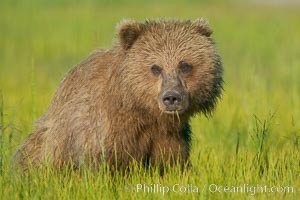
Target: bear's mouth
x,y
175,109
174,112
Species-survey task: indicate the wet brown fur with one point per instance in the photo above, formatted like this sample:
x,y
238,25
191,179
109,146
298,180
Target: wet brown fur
x,y
107,106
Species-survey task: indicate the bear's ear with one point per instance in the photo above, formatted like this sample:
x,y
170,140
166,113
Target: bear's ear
x,y
128,31
201,25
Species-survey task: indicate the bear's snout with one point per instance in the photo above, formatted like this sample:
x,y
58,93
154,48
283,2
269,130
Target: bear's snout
x,y
173,95
171,99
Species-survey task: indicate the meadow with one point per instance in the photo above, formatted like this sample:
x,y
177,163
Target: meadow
x,y
252,141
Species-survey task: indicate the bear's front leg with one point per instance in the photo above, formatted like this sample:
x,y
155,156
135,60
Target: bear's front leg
x,y
169,151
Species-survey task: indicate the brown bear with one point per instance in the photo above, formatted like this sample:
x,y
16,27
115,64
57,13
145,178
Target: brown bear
x,y
131,103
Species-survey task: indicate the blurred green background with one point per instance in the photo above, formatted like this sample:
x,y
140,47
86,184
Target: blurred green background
x,y
258,41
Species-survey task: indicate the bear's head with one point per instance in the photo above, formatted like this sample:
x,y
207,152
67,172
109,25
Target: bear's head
x,y
170,66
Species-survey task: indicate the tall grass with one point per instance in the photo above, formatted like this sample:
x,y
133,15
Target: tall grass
x,y
241,145
1,130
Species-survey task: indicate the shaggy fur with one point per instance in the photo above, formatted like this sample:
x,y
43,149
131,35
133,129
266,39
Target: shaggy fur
x,y
110,108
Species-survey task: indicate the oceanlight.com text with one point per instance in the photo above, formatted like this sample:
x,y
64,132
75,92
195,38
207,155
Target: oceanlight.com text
x,y
250,189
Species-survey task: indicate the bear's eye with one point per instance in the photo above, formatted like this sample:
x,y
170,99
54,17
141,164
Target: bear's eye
x,y
185,67
156,70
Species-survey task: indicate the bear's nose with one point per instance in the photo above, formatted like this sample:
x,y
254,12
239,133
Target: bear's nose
x,y
171,98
